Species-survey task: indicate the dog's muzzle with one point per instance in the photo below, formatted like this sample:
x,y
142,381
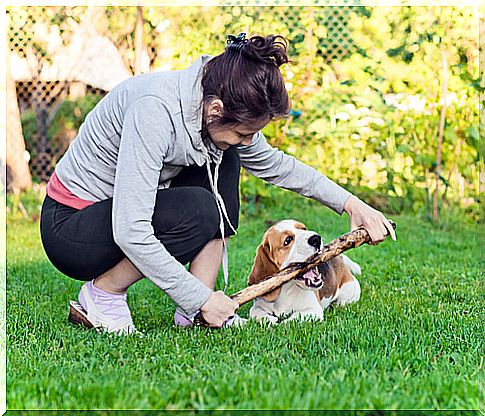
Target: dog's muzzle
x,y
312,279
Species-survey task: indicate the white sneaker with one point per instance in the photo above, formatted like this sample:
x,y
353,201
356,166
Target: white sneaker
x,y
91,316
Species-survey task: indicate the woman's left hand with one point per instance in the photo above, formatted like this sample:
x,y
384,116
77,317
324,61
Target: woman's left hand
x,y
363,215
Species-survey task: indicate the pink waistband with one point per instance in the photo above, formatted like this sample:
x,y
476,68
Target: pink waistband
x,y
58,192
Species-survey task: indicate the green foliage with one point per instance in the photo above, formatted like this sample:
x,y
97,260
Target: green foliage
x,y
62,128
71,114
366,85
29,130
378,126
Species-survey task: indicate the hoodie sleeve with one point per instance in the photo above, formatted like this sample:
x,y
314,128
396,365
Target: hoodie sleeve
x,y
280,169
146,136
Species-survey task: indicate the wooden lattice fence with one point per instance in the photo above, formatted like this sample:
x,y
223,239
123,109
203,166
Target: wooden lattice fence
x,y
172,38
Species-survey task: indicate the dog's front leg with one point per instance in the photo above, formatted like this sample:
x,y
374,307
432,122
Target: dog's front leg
x,y
307,314
262,313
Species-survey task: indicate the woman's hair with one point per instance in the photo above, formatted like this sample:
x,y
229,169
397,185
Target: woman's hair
x,y
246,77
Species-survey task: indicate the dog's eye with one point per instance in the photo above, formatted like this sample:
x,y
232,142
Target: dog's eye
x,y
288,240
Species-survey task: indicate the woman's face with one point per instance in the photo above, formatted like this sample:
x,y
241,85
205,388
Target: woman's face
x,y
225,136
229,135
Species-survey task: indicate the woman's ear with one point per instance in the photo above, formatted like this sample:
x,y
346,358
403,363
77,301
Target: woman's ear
x,y
264,266
215,108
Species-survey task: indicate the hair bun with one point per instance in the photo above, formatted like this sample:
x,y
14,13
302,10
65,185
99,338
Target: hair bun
x,y
270,49
248,80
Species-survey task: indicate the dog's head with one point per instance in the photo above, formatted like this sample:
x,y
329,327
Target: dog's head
x,y
286,242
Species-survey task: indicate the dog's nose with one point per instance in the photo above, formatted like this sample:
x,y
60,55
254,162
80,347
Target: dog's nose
x,y
315,241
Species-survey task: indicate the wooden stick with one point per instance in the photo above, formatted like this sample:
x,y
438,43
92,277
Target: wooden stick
x,y
336,247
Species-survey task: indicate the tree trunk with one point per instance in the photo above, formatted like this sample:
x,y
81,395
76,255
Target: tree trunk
x,y
138,39
18,173
440,136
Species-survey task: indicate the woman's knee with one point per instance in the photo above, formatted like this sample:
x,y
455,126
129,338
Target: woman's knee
x,y
231,165
207,215
231,158
186,212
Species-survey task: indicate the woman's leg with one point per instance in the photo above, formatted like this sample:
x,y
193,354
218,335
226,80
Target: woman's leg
x,y
119,278
206,264
80,243
205,267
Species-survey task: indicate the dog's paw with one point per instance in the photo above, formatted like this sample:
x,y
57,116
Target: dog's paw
x,y
305,316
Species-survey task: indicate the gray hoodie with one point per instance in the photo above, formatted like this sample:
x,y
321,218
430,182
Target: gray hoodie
x,y
137,138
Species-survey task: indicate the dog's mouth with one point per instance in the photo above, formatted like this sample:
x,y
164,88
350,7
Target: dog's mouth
x,y
312,279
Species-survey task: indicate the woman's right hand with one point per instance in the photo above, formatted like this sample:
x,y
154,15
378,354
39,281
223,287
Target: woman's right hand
x,y
218,309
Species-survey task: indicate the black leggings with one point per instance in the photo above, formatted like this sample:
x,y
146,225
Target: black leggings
x,y
80,243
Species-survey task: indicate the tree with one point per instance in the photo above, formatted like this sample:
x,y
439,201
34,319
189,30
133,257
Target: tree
x,y
18,173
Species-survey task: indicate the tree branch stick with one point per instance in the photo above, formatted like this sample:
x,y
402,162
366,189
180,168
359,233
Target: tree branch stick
x,y
336,247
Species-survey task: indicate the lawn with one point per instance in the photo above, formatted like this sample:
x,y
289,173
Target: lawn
x,y
414,341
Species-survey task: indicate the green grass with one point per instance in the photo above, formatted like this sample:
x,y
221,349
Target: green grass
x,y
414,341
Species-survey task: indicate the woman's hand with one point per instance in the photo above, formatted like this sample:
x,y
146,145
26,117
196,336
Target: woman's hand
x,y
363,215
218,309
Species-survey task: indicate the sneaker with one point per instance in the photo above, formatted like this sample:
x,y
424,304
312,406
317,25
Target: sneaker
x,y
179,319
182,320
102,310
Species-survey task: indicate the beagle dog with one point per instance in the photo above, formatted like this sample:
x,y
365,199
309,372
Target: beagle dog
x,y
307,295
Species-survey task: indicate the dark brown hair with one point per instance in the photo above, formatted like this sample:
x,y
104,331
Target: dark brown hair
x,y
246,77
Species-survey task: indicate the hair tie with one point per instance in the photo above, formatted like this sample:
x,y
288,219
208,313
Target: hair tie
x,y
236,42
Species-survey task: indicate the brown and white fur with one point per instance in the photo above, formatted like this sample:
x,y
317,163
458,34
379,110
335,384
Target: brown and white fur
x,y
306,296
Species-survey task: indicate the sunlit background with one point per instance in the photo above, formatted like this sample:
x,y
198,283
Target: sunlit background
x,y
385,99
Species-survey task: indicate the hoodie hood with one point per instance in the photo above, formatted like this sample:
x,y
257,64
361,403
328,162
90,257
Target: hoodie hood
x,y
191,96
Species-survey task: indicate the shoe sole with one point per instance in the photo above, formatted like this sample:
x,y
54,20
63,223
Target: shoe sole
x,y
78,316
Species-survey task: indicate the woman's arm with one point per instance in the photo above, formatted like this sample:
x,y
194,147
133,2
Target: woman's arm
x,y
280,169
363,215
146,137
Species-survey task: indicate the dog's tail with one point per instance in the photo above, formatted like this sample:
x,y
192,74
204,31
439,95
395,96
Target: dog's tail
x,y
352,265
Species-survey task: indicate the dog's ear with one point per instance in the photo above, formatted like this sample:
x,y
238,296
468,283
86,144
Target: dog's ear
x,y
264,266
328,271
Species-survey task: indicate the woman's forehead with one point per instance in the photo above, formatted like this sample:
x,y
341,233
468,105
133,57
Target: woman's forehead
x,y
245,131
250,129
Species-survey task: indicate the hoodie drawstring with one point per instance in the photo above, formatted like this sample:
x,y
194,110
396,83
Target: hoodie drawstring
x,y
222,214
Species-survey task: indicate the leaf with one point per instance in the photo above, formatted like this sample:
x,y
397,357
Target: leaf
x,y
318,126
393,52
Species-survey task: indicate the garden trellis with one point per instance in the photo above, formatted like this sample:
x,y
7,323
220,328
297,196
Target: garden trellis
x,y
41,89
365,85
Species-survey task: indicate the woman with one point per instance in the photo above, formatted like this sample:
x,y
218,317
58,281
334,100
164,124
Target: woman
x,y
151,183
